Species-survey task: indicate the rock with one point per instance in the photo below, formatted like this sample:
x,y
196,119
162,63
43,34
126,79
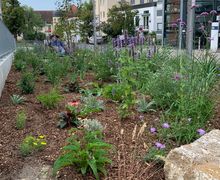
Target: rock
x,y
197,161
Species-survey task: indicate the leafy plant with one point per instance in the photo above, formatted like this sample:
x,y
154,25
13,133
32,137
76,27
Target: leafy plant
x,y
69,118
17,99
92,125
86,153
155,154
19,61
51,99
21,120
143,106
32,144
27,83
117,92
91,105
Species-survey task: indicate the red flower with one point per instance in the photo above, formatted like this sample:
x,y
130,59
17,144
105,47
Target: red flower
x,y
74,103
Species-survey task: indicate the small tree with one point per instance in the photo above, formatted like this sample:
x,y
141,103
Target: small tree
x,y
13,16
66,25
120,17
85,15
33,22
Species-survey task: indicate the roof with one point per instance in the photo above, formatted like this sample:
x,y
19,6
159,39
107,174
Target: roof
x,y
47,16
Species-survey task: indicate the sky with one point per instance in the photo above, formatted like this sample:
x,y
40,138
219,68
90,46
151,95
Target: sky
x,y
40,4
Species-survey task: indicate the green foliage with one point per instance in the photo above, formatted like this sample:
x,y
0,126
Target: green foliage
x,y
91,105
13,16
155,155
51,99
85,15
33,23
27,83
86,153
105,65
144,106
120,18
17,99
92,125
118,92
56,68
19,61
21,120
32,144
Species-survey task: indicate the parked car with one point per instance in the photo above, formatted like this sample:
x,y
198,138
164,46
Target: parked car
x,y
99,39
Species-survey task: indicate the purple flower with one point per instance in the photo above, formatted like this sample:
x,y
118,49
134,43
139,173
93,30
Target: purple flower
x,y
178,20
166,125
153,130
213,12
204,14
202,28
182,23
201,132
177,77
194,6
160,145
174,25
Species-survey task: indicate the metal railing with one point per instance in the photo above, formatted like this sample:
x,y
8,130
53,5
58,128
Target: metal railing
x,y
7,41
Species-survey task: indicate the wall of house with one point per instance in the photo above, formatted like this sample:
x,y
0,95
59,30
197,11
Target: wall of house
x,y
152,18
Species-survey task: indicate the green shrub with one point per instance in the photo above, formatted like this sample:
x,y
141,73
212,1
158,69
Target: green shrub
x,y
86,153
17,99
19,61
144,106
105,65
21,120
91,105
117,92
27,83
56,68
31,144
50,100
92,125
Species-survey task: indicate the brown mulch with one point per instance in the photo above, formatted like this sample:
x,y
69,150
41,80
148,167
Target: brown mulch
x,y
127,155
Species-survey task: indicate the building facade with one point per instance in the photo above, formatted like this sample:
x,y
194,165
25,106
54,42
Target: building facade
x,y
172,14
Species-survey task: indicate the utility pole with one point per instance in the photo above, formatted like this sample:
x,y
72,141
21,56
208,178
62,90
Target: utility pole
x,y
94,24
190,26
181,26
1,10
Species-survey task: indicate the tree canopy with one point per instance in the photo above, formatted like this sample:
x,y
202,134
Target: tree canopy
x,y
120,17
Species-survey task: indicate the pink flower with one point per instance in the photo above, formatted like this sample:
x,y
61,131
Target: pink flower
x,y
198,16
160,145
74,103
166,126
201,132
153,130
204,14
213,12
174,25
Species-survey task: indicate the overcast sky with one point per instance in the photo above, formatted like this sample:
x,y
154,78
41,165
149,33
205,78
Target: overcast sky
x,y
40,4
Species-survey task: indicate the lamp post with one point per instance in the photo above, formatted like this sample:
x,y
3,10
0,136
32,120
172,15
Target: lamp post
x,y
180,26
94,24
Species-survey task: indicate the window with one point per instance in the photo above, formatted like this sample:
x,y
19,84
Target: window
x,y
132,2
141,1
159,26
137,20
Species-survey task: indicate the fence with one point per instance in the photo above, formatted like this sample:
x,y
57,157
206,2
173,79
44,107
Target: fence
x,y
7,41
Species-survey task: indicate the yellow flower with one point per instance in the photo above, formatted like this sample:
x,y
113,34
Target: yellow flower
x,y
41,137
35,143
43,143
